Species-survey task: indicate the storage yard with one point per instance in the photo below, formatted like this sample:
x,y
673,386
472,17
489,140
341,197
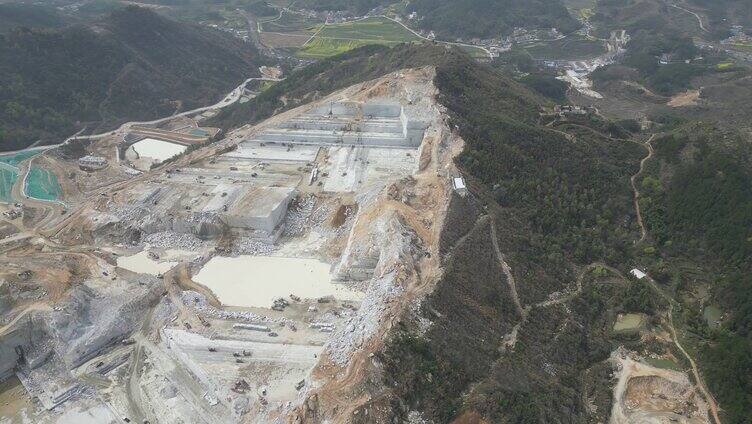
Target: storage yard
x,y
189,277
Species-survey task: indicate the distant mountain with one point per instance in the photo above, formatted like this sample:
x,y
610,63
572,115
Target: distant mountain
x,y
660,17
721,12
133,65
14,15
491,18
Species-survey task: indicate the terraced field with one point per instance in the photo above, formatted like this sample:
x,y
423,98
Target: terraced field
x,y
570,48
629,322
338,38
290,23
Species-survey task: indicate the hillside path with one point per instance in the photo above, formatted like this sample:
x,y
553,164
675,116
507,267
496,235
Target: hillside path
x,y
699,19
507,270
712,404
636,196
675,338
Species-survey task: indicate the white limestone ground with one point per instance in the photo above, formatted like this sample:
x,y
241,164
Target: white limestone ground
x,y
256,281
182,363
157,150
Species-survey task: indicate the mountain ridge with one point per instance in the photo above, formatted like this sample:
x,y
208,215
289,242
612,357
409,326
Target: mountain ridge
x,y
133,65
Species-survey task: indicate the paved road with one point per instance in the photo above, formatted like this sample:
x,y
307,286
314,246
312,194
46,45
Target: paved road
x,y
317,32
485,50
228,100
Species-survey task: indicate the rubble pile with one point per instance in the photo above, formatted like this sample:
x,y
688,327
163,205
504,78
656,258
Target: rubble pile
x,y
299,215
198,302
173,240
251,246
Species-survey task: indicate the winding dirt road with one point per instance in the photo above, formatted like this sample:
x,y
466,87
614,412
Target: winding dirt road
x,y
417,34
636,196
699,19
507,271
712,404
510,339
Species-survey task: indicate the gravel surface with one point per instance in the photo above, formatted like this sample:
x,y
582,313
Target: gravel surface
x,y
198,302
172,240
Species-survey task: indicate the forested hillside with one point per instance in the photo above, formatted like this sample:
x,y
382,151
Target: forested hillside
x,y
662,17
720,11
491,18
14,15
133,65
559,201
643,56
698,208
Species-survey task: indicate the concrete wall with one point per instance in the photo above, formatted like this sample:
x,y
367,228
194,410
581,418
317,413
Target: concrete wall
x,y
330,137
383,109
336,108
376,124
390,125
387,110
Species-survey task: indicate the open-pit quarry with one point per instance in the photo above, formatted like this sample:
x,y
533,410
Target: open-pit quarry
x,y
183,275
188,276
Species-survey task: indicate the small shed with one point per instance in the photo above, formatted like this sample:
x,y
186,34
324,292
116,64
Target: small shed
x,y
637,273
458,183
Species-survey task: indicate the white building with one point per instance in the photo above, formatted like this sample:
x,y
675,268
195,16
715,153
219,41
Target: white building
x,y
638,274
458,183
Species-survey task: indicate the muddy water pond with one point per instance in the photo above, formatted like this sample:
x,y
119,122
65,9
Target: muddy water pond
x,y
157,149
255,281
629,322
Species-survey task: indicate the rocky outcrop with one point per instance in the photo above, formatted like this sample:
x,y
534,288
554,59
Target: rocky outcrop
x,y
95,317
